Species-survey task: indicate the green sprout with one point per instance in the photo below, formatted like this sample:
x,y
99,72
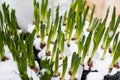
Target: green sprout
x,y
10,18
65,63
29,46
42,35
62,44
56,73
71,26
86,47
74,65
48,42
106,32
65,18
54,51
105,38
97,38
60,39
70,22
91,18
59,34
116,55
55,26
81,44
80,23
112,29
115,42
36,17
22,61
1,19
98,35
48,22
2,54
48,65
73,62
94,24
43,11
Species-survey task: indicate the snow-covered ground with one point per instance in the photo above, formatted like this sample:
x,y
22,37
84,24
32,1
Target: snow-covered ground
x,y
9,70
24,11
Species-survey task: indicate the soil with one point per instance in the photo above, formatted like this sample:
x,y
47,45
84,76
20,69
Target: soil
x,y
85,73
113,77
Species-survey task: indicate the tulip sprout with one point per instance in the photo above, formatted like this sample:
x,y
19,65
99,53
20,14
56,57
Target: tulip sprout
x,y
42,30
70,26
81,45
29,45
91,18
48,42
65,64
48,22
1,19
2,54
37,17
115,42
43,11
65,18
74,65
56,73
80,23
10,18
86,47
98,35
22,61
54,51
55,26
116,55
97,38
112,30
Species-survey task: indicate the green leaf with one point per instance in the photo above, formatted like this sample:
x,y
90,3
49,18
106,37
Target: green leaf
x,y
65,64
1,19
76,66
91,16
54,51
54,30
56,63
42,30
115,43
44,6
29,46
97,38
86,47
2,54
116,56
81,45
49,40
48,22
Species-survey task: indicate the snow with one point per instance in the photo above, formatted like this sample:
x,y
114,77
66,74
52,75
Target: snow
x,y
24,10
95,76
110,34
9,69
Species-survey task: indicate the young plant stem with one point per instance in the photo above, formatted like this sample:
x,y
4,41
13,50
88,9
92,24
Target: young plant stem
x,y
65,64
42,30
86,47
116,56
54,51
48,22
115,43
56,73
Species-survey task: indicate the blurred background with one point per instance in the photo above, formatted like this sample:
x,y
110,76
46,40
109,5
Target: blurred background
x,y
24,9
